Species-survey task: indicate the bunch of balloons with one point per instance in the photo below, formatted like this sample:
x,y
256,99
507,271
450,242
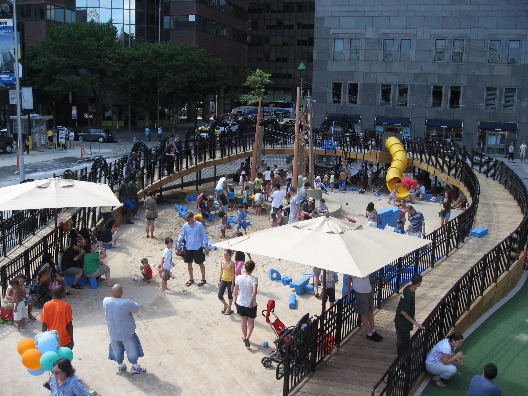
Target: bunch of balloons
x,y
39,354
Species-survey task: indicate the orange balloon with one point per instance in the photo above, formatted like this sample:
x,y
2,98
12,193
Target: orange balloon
x,y
31,359
25,344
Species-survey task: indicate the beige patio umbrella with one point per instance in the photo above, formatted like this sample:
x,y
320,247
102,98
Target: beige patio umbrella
x,y
330,244
56,193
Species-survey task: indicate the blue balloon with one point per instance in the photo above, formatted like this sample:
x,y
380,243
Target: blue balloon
x,y
36,372
47,343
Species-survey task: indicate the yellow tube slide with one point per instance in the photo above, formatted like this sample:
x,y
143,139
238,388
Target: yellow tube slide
x,y
398,165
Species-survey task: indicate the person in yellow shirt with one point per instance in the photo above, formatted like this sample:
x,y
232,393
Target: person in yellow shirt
x,y
50,138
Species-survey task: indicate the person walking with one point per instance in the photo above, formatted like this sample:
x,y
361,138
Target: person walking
x,y
147,133
405,312
522,152
511,152
160,132
151,213
64,382
226,281
416,225
195,237
364,305
246,300
295,206
26,144
122,331
57,315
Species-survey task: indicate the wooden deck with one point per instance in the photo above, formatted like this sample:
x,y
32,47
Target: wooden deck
x,y
360,363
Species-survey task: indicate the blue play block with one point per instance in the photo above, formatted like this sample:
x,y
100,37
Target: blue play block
x,y
428,197
389,217
308,288
274,274
292,301
192,198
299,285
286,280
231,219
479,232
351,189
69,280
93,283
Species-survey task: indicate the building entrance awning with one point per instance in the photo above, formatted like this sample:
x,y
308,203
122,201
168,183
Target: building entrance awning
x,y
393,121
498,126
435,122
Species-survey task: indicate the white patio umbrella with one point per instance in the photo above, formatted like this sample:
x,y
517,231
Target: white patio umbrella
x,y
330,244
56,193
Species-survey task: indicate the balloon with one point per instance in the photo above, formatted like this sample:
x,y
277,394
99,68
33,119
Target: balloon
x,y
31,359
47,359
25,344
65,352
36,372
47,343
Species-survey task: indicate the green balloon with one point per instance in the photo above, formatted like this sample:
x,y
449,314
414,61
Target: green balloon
x,y
65,352
47,360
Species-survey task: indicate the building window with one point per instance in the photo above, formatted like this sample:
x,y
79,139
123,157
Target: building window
x,y
513,51
455,94
490,102
353,89
337,88
339,49
403,95
440,50
494,51
437,96
510,97
388,50
386,94
355,46
458,51
405,50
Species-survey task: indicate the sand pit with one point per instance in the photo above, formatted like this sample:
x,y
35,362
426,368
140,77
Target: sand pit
x,y
190,347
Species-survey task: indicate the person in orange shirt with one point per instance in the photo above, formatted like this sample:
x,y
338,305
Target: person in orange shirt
x,y
57,315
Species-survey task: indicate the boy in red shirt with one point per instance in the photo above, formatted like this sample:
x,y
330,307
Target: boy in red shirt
x,y
146,271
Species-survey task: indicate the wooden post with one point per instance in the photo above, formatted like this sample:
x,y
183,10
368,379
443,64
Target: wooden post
x,y
255,145
296,141
304,144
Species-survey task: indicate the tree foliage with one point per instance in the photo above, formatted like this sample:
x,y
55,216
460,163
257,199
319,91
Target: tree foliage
x,y
257,82
77,57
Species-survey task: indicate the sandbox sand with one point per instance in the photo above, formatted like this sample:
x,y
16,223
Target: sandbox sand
x,y
190,347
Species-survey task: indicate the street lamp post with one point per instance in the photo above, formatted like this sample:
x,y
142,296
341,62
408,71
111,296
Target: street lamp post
x,y
19,104
302,71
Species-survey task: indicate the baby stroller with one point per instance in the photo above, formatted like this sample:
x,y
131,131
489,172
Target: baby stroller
x,y
283,335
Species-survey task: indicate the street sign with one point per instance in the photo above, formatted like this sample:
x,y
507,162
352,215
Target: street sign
x,y
88,115
26,94
74,112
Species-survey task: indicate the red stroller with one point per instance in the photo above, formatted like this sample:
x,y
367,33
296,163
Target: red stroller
x,y
283,334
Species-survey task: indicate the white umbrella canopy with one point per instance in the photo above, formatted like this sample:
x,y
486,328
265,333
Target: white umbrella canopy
x,y
56,193
330,244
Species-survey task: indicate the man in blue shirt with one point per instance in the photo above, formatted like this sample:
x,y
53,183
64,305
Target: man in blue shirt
x,y
416,223
193,233
482,385
122,331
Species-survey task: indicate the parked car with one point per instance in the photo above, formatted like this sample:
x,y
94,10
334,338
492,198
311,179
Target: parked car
x,y
222,126
7,143
96,135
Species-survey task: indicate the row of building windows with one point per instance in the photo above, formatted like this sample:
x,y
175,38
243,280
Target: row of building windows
x,y
224,6
203,24
281,6
444,50
440,94
45,12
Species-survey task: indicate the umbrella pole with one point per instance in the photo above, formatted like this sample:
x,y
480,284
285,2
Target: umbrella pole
x,y
323,295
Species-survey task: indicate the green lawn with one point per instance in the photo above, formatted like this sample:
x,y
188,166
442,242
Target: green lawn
x,y
502,339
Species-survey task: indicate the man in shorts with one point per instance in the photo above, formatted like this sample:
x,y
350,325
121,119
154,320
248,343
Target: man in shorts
x,y
365,305
316,275
193,233
166,264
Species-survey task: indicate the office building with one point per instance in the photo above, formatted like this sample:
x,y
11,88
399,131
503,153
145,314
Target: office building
x,y
442,70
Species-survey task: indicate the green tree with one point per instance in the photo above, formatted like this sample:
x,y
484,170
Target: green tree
x,y
257,82
78,57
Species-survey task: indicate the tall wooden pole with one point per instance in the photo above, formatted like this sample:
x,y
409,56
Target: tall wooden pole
x,y
304,143
255,145
296,141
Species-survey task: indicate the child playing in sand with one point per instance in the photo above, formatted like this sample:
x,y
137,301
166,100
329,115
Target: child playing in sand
x,y
223,226
258,201
245,198
323,208
210,204
231,198
166,264
392,195
19,304
146,270
399,227
275,219
226,281
241,218
372,216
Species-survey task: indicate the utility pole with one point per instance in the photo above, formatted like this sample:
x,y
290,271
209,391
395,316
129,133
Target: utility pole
x,y
18,103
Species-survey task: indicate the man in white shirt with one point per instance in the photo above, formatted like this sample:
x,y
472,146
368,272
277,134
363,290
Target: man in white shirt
x,y
365,305
267,176
276,198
